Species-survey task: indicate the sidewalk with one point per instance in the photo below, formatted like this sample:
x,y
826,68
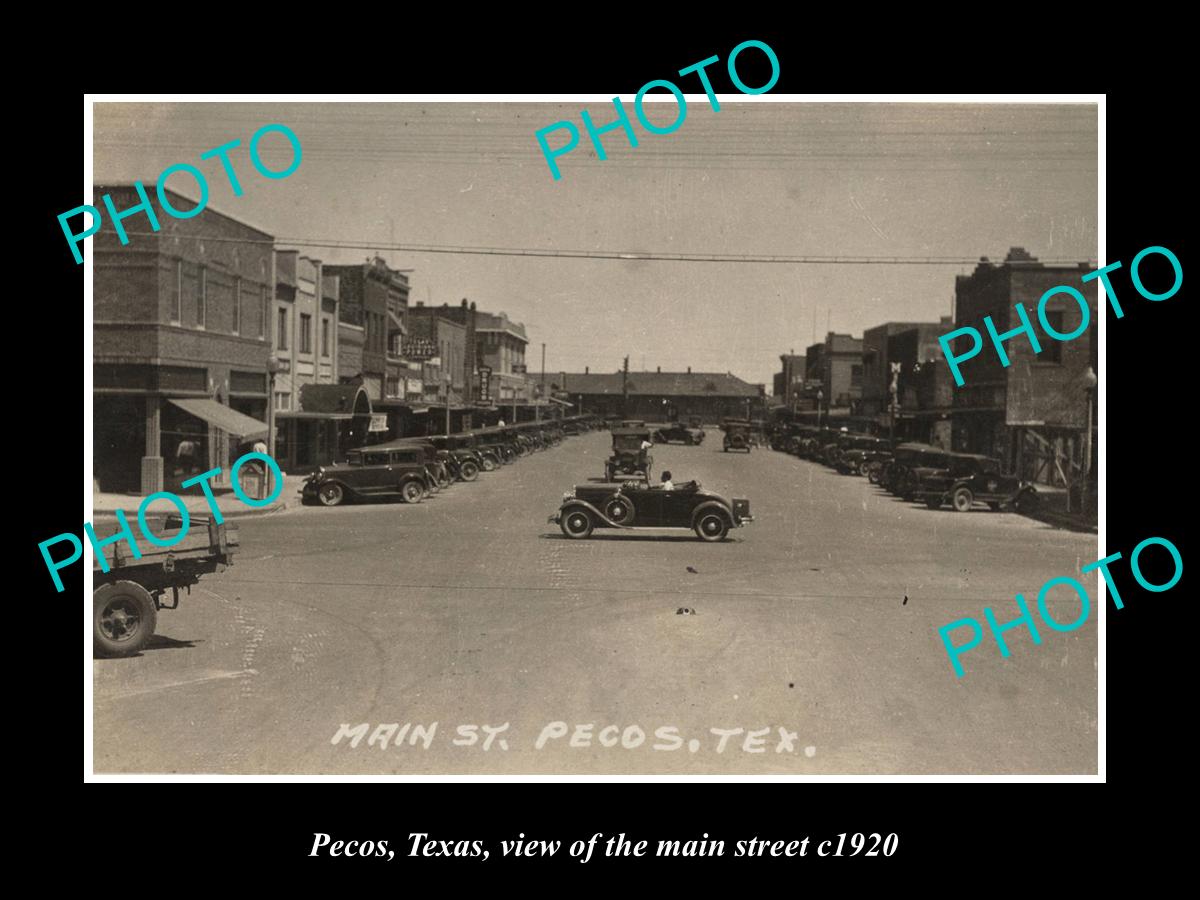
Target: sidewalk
x,y
1052,509
106,505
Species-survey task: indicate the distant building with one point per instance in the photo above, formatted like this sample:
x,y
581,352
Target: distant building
x,y
1032,414
181,340
789,381
922,406
501,346
660,396
837,364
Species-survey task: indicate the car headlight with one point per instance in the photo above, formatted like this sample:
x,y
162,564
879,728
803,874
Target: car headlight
x,y
569,495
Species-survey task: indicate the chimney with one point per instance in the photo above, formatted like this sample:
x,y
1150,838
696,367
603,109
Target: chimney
x,y
689,370
586,369
659,368
420,303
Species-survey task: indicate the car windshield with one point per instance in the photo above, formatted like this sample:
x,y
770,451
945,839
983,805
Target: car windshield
x,y
627,442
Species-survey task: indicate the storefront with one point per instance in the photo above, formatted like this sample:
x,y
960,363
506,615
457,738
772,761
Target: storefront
x,y
332,419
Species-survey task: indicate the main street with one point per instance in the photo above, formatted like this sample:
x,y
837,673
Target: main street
x,y
814,628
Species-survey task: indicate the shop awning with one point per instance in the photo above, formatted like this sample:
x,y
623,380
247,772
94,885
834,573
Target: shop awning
x,y
562,402
221,416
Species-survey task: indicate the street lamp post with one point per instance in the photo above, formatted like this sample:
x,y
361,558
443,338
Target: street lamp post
x,y
1089,386
820,397
446,380
274,367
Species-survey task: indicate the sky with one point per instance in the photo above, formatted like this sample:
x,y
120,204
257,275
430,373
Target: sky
x,y
897,180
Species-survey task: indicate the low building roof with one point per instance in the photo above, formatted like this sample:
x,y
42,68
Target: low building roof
x,y
663,384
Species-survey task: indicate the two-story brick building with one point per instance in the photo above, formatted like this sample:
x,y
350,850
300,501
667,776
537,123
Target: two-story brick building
x,y
181,341
1034,413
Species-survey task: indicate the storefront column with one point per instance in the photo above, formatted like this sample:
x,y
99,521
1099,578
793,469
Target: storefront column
x,y
152,462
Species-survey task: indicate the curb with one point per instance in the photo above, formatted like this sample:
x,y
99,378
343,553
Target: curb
x,y
225,514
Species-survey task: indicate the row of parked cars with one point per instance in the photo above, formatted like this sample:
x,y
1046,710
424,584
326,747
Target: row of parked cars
x,y
916,472
413,468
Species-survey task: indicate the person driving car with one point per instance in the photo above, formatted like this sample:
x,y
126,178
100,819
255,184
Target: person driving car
x,y
666,485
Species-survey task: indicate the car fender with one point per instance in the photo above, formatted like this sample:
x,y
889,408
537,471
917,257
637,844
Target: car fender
x,y
346,489
583,504
710,505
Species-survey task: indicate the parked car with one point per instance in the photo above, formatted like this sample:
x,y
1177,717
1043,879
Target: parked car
x,y
465,461
628,458
737,435
677,432
858,452
896,475
636,504
970,479
396,469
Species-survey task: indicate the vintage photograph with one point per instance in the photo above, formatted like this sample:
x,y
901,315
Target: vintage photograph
x,y
471,450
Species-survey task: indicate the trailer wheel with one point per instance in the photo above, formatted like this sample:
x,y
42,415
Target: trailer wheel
x,y
123,618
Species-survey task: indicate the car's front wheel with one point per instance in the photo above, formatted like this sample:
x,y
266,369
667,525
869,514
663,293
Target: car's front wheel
x,y
412,491
576,523
468,471
712,527
963,500
331,494
619,510
123,618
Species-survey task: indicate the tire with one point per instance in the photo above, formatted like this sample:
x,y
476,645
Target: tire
x,y
863,467
934,502
873,475
331,494
489,464
712,527
123,618
412,491
468,471
576,523
962,500
619,509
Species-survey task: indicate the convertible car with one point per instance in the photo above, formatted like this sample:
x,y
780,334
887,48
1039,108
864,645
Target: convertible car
x,y
633,505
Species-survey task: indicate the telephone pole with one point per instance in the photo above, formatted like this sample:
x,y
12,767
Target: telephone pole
x,y
625,389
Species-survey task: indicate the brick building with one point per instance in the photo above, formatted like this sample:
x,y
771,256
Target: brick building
x,y
181,340
374,297
922,412
661,396
1034,413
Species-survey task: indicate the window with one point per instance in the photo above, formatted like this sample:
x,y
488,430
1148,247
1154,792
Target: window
x,y
281,334
324,337
375,459
262,312
283,401
177,311
1052,349
202,299
305,333
237,305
